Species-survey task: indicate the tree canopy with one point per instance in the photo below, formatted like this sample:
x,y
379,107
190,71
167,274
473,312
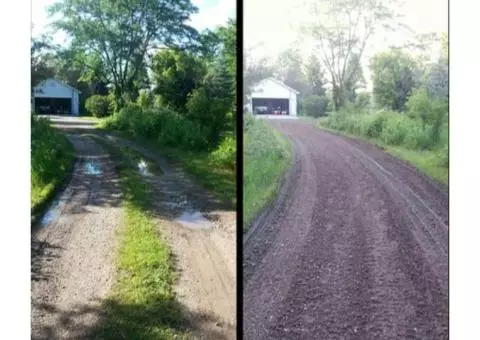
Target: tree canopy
x,y
121,32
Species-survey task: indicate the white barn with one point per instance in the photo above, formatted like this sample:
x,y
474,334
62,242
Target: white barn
x,y
54,97
271,96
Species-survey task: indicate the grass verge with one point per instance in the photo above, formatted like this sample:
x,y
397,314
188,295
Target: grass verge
x,y
426,161
142,304
267,156
52,158
220,180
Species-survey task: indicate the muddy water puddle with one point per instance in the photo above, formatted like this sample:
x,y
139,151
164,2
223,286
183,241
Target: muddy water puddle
x,y
92,168
194,220
143,168
52,213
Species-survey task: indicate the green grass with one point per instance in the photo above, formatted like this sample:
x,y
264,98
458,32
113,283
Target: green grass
x,y
267,156
142,303
220,179
52,157
427,161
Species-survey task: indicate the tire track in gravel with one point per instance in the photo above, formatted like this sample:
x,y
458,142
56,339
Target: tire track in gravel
x,y
73,246
369,259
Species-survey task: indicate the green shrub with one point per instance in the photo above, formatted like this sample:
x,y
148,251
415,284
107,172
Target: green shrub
x,y
418,137
395,129
145,99
363,100
51,156
315,106
226,153
161,124
99,106
206,110
248,121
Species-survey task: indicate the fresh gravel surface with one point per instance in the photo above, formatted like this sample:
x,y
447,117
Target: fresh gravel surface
x,y
355,248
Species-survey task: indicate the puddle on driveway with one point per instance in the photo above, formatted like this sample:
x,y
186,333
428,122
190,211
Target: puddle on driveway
x,y
142,167
194,220
52,213
93,168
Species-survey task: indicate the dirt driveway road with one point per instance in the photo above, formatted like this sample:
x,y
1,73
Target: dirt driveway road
x,y
73,250
356,248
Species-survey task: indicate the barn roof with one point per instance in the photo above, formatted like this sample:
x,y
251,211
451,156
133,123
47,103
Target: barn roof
x,y
282,84
59,82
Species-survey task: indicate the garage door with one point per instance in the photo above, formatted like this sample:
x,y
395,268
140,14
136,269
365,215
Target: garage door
x,y
57,106
270,106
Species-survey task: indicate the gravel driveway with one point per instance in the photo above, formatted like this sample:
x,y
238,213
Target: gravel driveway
x,y
355,248
73,248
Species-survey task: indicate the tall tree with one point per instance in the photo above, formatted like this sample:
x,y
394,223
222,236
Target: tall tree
x,y
355,81
41,69
289,69
315,76
254,70
175,75
394,75
121,32
340,31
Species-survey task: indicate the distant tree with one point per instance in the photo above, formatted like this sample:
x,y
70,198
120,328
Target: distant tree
x,y
40,51
253,72
341,33
315,106
355,81
289,70
315,76
363,100
444,42
394,75
436,80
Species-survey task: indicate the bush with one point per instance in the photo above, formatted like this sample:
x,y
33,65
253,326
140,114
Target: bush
x,y
206,110
315,106
395,129
429,111
363,100
226,153
99,106
248,121
161,124
51,157
145,99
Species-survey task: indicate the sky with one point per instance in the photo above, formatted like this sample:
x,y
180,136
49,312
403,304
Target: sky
x,y
211,13
271,26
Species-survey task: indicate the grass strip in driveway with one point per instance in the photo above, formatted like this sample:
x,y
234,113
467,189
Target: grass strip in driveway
x,y
52,158
267,156
142,304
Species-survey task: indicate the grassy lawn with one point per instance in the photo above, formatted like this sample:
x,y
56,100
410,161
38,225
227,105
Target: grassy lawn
x,y
142,304
52,157
267,156
220,180
426,161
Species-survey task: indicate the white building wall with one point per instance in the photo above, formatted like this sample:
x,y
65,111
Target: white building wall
x,y
51,88
292,104
75,104
270,89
